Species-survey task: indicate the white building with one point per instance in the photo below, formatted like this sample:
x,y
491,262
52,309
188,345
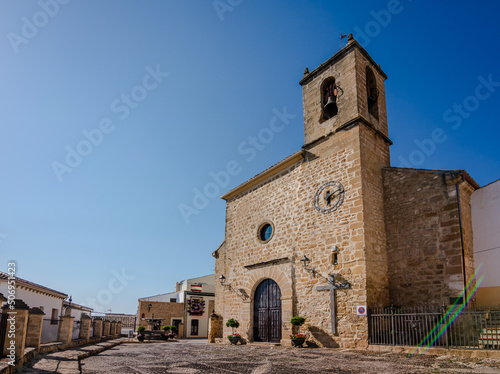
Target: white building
x,y
36,296
485,204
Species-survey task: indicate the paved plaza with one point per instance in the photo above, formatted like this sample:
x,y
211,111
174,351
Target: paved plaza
x,y
192,357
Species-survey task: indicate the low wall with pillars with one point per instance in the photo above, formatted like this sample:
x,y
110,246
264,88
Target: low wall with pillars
x,y
106,328
34,328
15,337
85,323
65,329
24,331
97,328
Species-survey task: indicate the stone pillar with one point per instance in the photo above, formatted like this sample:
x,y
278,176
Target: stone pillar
x,y
85,322
181,330
287,327
17,326
112,328
119,328
35,323
213,328
107,326
97,328
65,329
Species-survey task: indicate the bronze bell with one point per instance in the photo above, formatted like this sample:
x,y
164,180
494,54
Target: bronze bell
x,y
331,107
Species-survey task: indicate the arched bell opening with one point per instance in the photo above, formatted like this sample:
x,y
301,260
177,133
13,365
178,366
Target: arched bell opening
x,y
329,95
372,93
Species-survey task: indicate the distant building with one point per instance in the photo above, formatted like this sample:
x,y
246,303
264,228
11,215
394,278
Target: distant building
x,y
486,226
190,305
128,320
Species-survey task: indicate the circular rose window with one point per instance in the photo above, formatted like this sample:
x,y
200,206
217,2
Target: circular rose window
x,y
266,232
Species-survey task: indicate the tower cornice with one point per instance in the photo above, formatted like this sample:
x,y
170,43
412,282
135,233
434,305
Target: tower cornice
x,y
351,46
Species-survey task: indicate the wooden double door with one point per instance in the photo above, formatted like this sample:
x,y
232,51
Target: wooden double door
x,y
267,312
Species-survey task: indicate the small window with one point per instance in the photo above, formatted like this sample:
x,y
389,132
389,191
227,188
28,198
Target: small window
x,y
194,326
53,317
173,300
266,231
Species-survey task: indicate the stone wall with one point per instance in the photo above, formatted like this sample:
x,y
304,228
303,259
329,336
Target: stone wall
x,y
160,309
423,235
287,201
466,191
374,155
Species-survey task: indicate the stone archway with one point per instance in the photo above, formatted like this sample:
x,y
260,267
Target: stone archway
x,y
267,319
281,274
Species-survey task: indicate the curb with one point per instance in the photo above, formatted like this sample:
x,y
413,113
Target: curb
x,y
97,351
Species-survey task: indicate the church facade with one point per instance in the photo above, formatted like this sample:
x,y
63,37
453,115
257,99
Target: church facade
x,y
333,230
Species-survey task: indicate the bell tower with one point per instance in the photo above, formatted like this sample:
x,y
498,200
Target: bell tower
x,y
346,140
344,90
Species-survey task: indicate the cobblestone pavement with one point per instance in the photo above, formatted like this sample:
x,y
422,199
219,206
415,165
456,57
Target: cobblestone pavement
x,y
197,357
66,362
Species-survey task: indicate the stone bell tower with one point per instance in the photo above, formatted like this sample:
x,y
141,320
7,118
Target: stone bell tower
x,y
345,126
343,91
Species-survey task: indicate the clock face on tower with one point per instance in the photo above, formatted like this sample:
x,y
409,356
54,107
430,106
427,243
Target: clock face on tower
x,y
329,197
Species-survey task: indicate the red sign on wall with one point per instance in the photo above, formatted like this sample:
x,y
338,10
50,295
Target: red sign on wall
x,y
196,287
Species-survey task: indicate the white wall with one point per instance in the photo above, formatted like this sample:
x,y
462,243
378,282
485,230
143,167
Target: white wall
x,y
203,319
207,282
485,205
164,297
35,300
77,313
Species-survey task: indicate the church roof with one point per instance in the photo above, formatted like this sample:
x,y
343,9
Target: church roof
x,y
458,173
273,170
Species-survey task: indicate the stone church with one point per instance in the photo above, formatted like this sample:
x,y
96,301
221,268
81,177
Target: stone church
x,y
333,229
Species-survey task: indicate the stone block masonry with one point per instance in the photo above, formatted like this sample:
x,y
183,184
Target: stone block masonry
x,y
423,235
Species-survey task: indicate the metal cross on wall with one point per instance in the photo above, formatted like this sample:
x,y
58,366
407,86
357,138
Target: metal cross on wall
x,y
332,287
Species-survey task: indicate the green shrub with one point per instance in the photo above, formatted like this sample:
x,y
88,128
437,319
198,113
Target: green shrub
x,y
141,329
297,321
232,323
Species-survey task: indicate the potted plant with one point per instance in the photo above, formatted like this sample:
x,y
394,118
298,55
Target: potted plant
x,y
140,335
298,339
173,332
166,328
234,324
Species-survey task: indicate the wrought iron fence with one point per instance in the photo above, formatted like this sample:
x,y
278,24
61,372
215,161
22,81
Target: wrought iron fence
x,y
50,328
471,328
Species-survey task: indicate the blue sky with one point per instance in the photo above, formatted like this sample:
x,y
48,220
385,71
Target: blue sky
x,y
174,88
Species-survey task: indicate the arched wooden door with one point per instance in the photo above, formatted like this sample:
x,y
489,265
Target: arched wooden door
x,y
267,312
